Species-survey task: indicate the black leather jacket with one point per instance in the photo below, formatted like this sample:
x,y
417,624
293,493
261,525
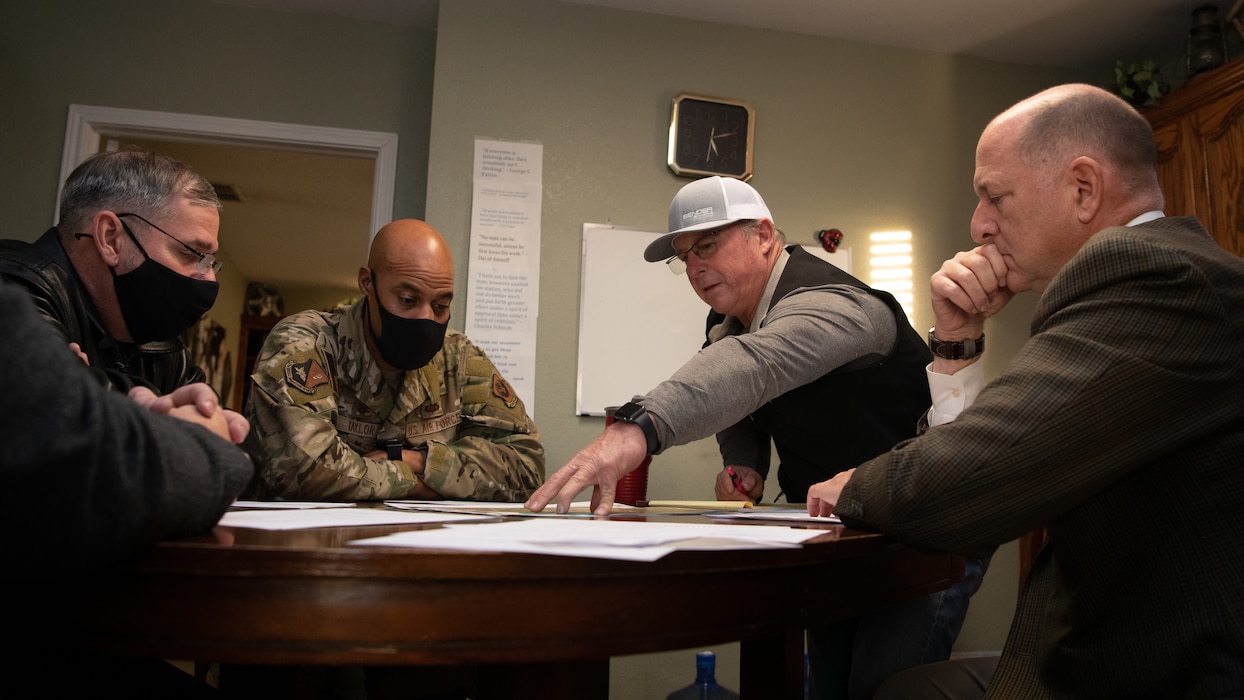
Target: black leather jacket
x,y
43,269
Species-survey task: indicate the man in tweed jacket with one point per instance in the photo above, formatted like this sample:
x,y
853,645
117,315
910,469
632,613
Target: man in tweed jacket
x,y
1119,426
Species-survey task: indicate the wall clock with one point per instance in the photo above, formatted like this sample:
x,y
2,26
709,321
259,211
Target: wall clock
x,y
711,136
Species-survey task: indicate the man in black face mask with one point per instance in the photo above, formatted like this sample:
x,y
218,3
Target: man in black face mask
x,y
128,268
381,400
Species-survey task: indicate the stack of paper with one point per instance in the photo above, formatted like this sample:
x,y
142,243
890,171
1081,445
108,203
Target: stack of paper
x,y
302,518
605,539
799,515
583,508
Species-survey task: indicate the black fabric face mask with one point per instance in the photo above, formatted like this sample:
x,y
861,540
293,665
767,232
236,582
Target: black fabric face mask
x,y
407,343
158,303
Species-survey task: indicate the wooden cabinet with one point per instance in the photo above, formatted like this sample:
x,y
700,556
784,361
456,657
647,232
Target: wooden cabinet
x,y
1199,131
251,334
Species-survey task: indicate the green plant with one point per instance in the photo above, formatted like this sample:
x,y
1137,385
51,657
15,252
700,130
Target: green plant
x,y
1141,83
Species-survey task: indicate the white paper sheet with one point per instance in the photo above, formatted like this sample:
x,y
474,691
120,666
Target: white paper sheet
x,y
299,519
606,539
577,508
288,505
788,514
503,268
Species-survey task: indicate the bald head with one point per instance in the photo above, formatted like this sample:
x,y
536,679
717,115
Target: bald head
x,y
1057,125
410,242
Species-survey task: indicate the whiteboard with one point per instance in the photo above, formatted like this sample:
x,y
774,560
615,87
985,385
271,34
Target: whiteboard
x,y
638,323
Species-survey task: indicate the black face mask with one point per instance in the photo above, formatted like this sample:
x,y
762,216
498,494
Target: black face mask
x,y
158,303
407,343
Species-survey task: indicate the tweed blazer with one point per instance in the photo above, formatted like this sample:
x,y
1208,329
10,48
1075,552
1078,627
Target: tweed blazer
x,y
1119,426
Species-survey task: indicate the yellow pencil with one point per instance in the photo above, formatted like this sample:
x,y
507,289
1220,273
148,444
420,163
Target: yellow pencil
x,y
708,505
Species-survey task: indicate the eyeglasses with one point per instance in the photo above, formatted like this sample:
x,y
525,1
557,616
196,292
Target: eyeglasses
x,y
207,261
704,248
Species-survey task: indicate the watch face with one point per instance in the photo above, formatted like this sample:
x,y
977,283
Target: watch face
x,y
627,412
711,137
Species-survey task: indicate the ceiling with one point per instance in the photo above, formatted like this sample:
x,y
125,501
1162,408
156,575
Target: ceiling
x,y
1088,34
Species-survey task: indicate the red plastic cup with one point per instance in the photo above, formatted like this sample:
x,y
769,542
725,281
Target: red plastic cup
x,y
633,487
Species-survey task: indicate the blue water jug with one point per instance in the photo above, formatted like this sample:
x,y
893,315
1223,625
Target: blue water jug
x,y
705,686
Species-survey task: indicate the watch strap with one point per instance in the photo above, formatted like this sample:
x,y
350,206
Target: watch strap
x,y
392,448
956,349
637,414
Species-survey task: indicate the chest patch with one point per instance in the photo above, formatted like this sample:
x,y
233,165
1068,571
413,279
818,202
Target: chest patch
x,y
305,375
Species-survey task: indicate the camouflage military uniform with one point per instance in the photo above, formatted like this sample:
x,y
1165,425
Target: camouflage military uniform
x,y
320,402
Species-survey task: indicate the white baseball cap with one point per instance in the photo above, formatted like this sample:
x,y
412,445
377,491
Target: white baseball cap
x,y
708,203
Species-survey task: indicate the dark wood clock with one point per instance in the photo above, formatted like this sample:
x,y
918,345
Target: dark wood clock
x,y
711,136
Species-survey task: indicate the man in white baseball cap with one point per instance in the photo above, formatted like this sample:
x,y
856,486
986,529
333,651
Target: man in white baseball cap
x,y
798,354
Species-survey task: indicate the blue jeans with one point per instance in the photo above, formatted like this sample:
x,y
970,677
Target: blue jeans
x,y
850,659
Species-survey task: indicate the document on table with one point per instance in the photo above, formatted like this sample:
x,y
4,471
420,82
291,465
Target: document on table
x,y
583,508
298,519
288,505
771,513
602,539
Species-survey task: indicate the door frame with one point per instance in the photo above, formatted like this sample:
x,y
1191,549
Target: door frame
x,y
82,137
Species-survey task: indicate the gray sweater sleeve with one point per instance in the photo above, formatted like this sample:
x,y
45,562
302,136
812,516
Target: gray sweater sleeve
x,y
91,477
807,334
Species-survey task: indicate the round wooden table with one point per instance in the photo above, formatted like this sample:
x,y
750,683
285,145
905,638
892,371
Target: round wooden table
x,y
545,626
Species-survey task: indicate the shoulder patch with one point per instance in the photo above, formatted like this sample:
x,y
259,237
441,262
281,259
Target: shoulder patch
x,y
502,390
305,375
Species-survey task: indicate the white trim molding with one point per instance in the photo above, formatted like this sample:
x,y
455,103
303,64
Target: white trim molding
x,y
86,122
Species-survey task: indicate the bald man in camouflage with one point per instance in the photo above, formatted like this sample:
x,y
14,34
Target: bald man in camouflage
x,y
381,400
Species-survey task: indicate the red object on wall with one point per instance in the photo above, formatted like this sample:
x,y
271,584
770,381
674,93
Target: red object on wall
x,y
829,238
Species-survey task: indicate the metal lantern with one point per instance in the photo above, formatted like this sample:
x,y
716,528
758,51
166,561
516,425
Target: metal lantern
x,y
1207,46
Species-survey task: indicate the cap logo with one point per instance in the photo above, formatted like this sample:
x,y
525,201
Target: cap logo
x,y
702,211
